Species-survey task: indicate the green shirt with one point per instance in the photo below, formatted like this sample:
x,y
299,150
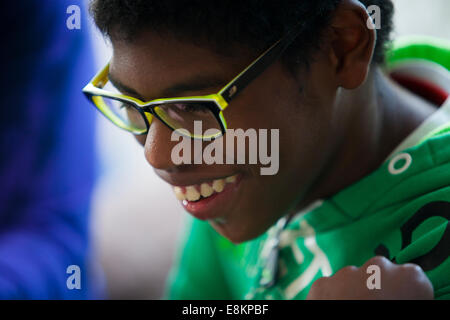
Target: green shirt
x,y
401,211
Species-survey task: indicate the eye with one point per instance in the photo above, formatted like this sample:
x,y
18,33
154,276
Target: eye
x,y
125,106
192,107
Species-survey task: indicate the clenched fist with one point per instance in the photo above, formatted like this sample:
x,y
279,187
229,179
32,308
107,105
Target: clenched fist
x,y
378,278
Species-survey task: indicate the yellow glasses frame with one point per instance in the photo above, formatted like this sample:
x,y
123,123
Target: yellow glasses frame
x,y
94,91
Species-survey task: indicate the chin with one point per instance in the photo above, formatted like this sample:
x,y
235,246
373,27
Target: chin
x,y
237,233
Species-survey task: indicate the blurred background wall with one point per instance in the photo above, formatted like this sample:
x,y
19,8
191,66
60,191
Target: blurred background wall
x,y
136,218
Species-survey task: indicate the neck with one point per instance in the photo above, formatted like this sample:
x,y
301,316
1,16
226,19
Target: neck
x,y
372,120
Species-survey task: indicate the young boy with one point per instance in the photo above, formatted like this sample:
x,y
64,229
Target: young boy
x,y
363,162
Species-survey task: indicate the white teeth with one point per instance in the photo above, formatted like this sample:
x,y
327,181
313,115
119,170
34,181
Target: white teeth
x,y
206,190
218,185
179,193
192,194
230,179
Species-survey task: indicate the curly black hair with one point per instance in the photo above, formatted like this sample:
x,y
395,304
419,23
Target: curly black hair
x,y
222,24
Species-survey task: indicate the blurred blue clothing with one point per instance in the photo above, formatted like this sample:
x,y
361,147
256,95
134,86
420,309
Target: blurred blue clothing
x,y
46,152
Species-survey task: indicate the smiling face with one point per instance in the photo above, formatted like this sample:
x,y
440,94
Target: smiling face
x,y
302,109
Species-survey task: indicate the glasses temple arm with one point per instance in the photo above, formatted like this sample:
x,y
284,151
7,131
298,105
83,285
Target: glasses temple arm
x,y
259,65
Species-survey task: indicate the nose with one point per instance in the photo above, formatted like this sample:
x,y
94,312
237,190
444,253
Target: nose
x,y
158,146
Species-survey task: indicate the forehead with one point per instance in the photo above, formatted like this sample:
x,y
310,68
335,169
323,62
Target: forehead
x,y
151,63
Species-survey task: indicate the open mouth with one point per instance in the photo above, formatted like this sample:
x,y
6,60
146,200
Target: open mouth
x,y
208,200
198,192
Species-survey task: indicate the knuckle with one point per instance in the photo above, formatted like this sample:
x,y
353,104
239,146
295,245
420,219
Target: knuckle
x,y
379,260
412,269
350,269
416,277
346,270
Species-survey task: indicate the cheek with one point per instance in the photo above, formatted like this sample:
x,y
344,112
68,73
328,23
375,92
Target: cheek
x,y
271,102
263,110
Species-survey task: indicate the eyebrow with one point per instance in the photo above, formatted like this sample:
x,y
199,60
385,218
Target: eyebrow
x,y
195,83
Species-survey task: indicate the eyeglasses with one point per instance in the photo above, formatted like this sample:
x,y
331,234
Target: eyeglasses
x,y
181,113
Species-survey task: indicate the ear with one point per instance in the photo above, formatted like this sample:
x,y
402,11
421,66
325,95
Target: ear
x,y
353,39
